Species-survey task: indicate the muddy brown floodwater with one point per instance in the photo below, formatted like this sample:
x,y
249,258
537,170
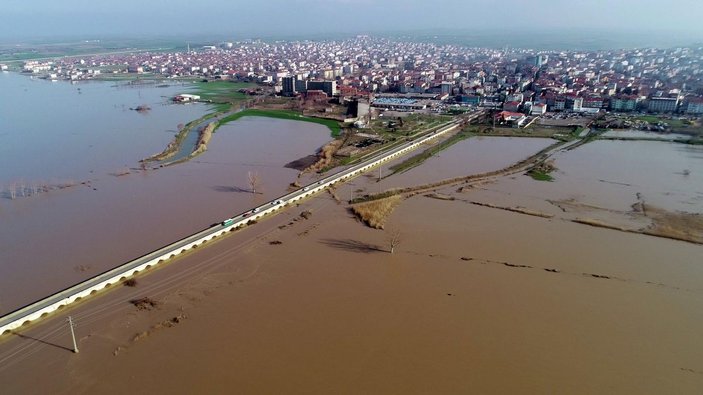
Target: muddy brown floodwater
x,y
471,156
613,175
55,239
475,299
475,155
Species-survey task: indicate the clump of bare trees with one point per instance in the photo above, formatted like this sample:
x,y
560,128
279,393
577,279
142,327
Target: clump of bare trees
x,y
254,181
24,189
21,189
394,238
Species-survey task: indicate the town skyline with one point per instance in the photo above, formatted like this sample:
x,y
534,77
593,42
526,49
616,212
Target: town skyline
x,y
515,80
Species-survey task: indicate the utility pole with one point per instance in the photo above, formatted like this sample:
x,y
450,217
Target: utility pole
x,y
73,335
379,180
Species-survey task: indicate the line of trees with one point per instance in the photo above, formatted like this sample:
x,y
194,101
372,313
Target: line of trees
x,y
20,189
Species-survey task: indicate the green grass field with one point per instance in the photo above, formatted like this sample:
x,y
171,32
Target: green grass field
x,y
648,118
15,56
222,91
284,114
673,123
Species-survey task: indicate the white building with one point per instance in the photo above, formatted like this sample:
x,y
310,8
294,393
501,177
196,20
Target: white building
x,y
184,98
538,109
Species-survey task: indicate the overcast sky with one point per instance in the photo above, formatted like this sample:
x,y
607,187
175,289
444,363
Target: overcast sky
x,y
25,19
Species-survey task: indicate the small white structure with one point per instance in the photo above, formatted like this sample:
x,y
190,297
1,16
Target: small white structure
x,y
184,98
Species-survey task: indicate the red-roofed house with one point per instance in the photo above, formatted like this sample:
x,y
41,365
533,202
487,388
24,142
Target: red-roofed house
x,y
515,119
512,106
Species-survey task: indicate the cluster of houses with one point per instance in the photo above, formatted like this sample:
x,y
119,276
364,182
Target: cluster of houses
x,y
414,76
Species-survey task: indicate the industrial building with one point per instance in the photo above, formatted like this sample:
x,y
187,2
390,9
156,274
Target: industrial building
x,y
399,104
663,104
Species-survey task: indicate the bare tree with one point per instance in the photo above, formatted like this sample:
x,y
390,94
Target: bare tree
x,y
253,180
394,238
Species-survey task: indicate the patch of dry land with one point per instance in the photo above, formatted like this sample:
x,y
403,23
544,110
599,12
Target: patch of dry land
x,y
493,288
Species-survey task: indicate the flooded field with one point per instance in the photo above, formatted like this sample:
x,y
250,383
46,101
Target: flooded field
x,y
54,239
639,134
471,156
667,175
474,293
611,174
57,132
